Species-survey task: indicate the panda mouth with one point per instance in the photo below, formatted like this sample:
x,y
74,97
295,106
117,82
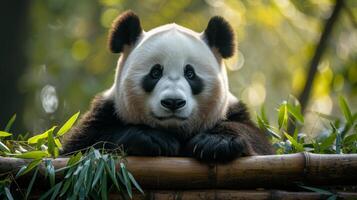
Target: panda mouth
x,y
175,117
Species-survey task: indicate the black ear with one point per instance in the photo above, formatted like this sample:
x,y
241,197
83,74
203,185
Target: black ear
x,y
219,34
125,30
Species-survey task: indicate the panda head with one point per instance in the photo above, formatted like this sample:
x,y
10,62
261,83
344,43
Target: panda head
x,y
171,77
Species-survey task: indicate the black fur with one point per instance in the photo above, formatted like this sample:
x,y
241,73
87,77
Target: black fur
x,y
101,127
219,34
237,136
149,82
125,30
196,83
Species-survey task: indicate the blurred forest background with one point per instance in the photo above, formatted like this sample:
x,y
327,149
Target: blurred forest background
x,y
54,58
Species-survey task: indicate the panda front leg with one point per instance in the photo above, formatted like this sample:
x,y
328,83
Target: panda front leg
x,y
146,141
223,143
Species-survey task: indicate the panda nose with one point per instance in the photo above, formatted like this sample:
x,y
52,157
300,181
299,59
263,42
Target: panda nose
x,y
173,104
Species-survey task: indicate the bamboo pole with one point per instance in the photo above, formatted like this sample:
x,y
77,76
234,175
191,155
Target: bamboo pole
x,y
272,171
236,194
227,195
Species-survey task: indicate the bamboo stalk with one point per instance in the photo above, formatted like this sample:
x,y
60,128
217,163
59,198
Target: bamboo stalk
x,y
236,194
228,195
273,171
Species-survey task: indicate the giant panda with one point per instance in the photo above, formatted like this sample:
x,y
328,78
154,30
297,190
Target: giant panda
x,y
170,96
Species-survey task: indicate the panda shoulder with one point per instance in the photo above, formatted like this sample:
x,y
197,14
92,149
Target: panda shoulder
x,y
237,111
102,109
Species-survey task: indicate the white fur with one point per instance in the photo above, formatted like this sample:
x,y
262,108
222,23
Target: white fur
x,y
173,47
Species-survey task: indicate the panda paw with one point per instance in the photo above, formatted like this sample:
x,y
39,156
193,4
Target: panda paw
x,y
149,142
217,147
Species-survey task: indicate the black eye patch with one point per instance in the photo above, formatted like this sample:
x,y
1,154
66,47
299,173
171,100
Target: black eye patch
x,y
150,80
195,82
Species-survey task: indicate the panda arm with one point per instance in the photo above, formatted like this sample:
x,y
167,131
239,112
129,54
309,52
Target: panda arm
x,y
234,137
100,127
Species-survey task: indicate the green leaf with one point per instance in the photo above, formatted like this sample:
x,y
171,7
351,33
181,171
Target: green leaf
x,y
32,155
54,191
350,139
99,172
51,172
296,113
338,143
58,143
8,194
25,169
51,143
135,183
111,175
332,197
10,123
345,110
318,190
29,188
282,115
74,159
36,138
328,142
103,187
126,179
298,147
4,134
68,125
65,187
3,147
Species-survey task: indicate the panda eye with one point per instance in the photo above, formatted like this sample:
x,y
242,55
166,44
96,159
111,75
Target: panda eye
x,y
156,71
189,72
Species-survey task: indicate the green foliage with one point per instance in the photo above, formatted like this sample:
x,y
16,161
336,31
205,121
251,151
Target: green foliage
x,y
339,137
91,174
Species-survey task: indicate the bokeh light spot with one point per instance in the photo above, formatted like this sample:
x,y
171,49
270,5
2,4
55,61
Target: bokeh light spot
x,y
49,99
108,16
80,49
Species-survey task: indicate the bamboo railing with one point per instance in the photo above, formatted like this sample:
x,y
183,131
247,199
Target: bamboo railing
x,y
269,172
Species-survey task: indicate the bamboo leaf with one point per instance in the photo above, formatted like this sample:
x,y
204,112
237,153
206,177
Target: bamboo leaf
x,y
25,169
29,188
350,138
282,115
65,187
318,190
36,138
98,173
74,159
298,147
338,143
68,125
104,189
8,194
126,179
111,175
332,197
32,155
51,143
10,123
4,148
5,134
345,110
328,142
131,177
51,172
296,113
58,143
54,191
